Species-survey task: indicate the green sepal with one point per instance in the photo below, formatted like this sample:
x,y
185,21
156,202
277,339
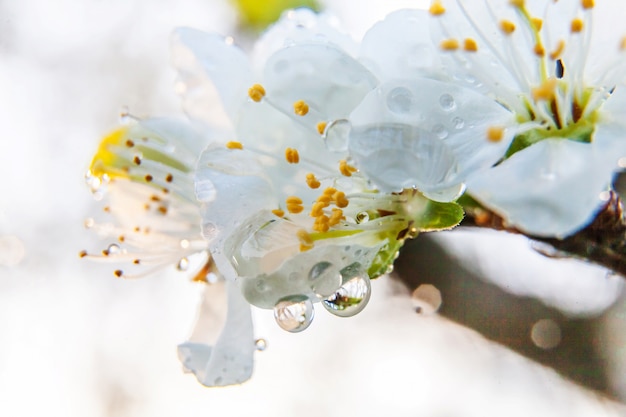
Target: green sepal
x,y
438,216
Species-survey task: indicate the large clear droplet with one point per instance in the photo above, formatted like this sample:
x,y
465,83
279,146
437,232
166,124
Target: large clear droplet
x,y
113,249
260,345
93,181
352,297
336,135
294,313
324,279
400,100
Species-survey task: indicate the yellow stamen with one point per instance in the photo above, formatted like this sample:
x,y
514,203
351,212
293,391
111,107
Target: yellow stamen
x,y
558,51
517,3
622,45
321,224
294,205
345,169
292,156
321,127
340,199
318,209
325,198
545,91
507,26
82,253
449,44
311,181
330,191
234,145
300,108
539,50
577,25
305,240
587,4
470,45
118,273
335,217
437,9
495,133
537,23
256,92
278,212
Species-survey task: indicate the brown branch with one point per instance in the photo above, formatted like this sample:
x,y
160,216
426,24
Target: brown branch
x,y
602,242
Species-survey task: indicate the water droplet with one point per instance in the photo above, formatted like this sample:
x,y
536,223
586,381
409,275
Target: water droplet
x,y
324,279
113,249
426,299
440,131
336,135
389,269
182,264
546,334
458,123
93,182
212,278
294,313
184,243
261,285
89,223
352,297
260,344
446,101
209,231
400,100
362,217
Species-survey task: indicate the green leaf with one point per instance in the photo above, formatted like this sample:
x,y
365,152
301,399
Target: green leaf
x,y
438,216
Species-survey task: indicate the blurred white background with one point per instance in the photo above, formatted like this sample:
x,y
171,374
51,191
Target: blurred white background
x,y
74,341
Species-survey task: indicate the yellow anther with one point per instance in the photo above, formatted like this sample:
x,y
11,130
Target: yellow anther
x,y
517,3
346,169
495,133
318,209
470,45
537,23
335,217
325,198
588,4
292,156
330,191
234,145
300,108
294,205
340,199
256,92
545,91
304,248
539,50
577,25
321,224
311,181
278,212
622,44
449,44
507,26
321,127
436,8
304,237
558,51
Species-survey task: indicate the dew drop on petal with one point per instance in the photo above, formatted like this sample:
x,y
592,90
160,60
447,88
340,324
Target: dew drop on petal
x,y
294,313
336,135
184,243
362,217
324,279
212,278
440,131
113,249
260,345
458,123
400,100
352,297
209,231
93,182
426,299
446,101
89,223
182,264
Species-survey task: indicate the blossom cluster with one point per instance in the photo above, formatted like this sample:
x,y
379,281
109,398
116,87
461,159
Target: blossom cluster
x,y
305,165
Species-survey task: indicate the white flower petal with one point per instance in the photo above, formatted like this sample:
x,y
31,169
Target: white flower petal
x,y
329,80
230,361
401,140
551,188
298,26
212,71
400,47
